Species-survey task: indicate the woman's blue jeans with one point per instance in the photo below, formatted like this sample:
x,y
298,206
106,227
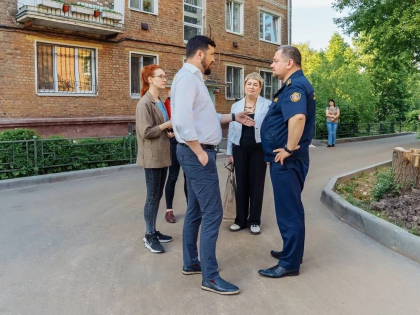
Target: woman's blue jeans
x,y
332,132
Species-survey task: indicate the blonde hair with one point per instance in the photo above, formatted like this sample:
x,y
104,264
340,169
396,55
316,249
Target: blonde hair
x,y
254,76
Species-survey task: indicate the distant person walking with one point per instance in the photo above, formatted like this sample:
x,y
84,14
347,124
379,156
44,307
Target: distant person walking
x,y
152,124
333,113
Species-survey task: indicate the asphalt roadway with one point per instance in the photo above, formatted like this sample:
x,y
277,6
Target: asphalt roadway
x,y
76,248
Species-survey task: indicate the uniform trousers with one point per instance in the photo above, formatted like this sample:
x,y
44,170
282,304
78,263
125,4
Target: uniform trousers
x,y
288,181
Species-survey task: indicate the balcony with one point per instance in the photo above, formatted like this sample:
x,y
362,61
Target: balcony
x,y
79,17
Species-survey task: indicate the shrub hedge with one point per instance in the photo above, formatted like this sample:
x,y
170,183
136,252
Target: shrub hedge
x,y
24,153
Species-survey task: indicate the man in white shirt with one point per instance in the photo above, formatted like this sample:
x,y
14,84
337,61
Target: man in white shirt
x,y
197,129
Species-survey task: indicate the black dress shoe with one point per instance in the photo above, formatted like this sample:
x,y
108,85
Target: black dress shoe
x,y
277,255
219,286
278,272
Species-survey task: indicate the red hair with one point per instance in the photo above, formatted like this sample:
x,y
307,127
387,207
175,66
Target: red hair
x,y
147,72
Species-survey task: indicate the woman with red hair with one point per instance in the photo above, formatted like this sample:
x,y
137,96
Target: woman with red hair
x,y
152,127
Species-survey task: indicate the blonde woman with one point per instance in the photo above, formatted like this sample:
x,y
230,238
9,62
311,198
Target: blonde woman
x,y
245,152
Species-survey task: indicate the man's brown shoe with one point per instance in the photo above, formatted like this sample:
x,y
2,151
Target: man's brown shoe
x,y
169,217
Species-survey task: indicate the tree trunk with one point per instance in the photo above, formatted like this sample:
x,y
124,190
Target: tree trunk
x,y
406,168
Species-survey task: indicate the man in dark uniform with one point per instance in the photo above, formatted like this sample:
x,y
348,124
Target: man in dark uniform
x,y
286,134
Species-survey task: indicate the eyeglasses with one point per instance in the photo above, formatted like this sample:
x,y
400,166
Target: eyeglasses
x,y
162,77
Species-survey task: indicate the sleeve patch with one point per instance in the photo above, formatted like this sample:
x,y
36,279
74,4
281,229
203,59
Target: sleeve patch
x,y
295,97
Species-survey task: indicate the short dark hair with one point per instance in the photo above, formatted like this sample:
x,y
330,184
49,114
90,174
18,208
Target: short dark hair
x,y
199,42
291,52
331,100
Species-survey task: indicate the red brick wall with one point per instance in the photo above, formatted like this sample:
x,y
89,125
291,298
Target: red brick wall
x,y
18,98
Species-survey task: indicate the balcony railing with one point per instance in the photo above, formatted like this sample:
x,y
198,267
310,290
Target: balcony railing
x,y
81,17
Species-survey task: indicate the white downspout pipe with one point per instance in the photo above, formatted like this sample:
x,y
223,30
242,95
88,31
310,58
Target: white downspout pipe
x,y
289,22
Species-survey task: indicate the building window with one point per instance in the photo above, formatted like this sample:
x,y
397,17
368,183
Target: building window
x,y
269,27
234,17
65,69
193,18
149,6
271,85
234,82
137,62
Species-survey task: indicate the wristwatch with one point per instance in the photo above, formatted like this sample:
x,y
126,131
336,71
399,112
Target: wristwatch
x,y
233,116
288,150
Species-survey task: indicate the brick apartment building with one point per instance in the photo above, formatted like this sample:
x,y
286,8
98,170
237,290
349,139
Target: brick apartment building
x,y
74,71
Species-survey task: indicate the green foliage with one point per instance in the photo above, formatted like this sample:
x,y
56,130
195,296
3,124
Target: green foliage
x,y
18,134
368,85
58,154
385,185
339,73
393,68
17,146
412,122
392,25
111,11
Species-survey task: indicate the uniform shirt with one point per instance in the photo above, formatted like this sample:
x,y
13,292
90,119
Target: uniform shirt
x,y
193,114
296,96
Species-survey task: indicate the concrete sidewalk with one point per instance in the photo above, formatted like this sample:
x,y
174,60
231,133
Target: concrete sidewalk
x,y
76,247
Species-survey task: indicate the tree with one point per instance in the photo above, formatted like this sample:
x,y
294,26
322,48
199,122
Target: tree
x,y
338,73
393,25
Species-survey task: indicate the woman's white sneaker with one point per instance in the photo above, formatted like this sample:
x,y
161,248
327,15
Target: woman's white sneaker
x,y
255,229
235,228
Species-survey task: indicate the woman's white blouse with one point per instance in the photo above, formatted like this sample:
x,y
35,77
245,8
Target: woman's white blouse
x,y
235,128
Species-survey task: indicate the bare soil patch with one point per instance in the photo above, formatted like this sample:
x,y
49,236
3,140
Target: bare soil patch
x,y
377,193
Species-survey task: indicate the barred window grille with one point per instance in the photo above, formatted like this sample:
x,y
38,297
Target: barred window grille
x,y
137,63
64,69
234,83
193,18
271,85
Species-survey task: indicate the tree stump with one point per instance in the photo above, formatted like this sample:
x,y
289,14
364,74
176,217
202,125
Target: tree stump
x,y
406,168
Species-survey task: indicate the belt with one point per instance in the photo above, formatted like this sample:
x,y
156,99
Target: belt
x,y
204,146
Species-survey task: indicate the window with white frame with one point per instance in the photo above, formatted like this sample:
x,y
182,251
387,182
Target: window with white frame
x,y
137,62
234,79
65,69
193,18
271,85
234,17
149,6
269,27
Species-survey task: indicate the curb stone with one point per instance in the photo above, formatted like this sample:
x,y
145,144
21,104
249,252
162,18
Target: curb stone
x,y
386,233
73,175
65,176
366,138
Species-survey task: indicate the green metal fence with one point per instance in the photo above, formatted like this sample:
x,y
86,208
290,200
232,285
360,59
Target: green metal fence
x,y
43,156
359,130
